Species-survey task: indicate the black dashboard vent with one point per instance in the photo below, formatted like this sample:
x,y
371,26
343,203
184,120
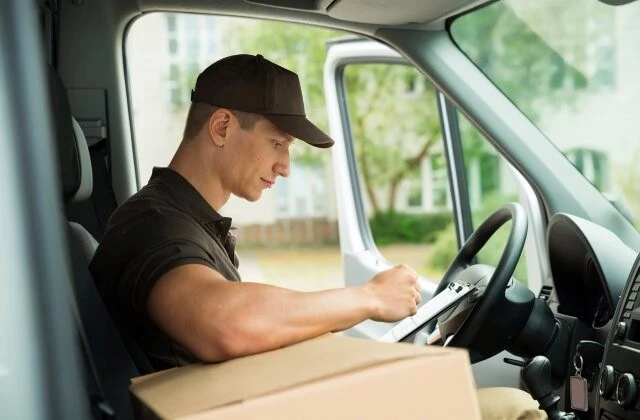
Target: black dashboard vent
x,y
545,293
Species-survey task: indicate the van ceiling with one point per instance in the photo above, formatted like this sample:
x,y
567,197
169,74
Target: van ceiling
x,y
360,15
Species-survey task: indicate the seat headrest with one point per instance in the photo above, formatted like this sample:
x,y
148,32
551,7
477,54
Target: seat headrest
x,y
73,155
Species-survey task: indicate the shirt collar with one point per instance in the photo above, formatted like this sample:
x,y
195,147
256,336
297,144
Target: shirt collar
x,y
192,202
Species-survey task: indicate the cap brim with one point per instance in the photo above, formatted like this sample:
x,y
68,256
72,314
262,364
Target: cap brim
x,y
301,128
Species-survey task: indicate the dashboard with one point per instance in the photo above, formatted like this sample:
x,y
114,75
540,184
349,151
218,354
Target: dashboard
x,y
596,282
590,266
618,386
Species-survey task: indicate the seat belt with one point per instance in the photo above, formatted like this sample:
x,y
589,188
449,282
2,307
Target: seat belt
x,y
104,199
99,405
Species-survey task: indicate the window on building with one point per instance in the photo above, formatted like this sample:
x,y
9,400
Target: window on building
x,y
173,46
171,23
592,164
439,182
174,72
414,189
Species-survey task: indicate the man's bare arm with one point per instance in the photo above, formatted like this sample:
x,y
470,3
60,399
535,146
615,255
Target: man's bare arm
x,y
218,319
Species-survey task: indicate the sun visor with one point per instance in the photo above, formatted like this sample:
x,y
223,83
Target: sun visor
x,y
400,12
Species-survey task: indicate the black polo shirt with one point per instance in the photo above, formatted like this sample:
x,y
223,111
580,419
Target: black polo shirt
x,y
163,226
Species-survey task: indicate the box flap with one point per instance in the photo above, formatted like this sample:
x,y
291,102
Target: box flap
x,y
195,388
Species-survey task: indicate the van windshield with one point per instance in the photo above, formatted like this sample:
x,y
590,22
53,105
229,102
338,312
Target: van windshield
x,y
572,68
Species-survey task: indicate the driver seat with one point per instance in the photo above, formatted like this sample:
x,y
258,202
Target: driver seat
x,y
108,365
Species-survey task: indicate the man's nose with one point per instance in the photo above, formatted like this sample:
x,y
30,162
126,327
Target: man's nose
x,y
283,166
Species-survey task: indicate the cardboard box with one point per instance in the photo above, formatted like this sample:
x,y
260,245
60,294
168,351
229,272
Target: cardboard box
x,y
330,377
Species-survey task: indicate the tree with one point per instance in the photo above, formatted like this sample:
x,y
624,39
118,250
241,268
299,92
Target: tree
x,y
394,124
521,63
539,53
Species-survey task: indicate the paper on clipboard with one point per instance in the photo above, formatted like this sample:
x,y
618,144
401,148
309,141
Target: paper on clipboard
x,y
428,311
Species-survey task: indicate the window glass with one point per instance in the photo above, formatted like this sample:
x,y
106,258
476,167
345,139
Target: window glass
x,y
395,128
571,67
402,172
290,236
491,184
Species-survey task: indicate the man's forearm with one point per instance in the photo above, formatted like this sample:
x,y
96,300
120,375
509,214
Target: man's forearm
x,y
267,317
218,319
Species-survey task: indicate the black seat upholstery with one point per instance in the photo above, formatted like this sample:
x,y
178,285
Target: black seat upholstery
x,y
93,212
107,361
83,192
87,242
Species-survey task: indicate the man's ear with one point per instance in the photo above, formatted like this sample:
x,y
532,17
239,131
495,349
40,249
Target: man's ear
x,y
219,126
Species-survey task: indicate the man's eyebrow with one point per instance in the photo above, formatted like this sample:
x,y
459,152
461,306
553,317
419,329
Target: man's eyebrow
x,y
286,137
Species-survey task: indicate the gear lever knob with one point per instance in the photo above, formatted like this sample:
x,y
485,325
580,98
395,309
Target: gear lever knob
x,y
536,375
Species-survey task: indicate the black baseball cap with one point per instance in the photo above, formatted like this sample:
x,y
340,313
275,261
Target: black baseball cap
x,y
251,83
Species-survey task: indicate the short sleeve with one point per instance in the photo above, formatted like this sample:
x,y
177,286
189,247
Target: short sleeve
x,y
134,256
142,273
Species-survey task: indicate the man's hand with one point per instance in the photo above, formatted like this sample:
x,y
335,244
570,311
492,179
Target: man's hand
x,y
395,293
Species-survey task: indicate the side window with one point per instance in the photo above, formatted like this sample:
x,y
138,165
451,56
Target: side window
x,y
402,173
402,170
290,236
491,184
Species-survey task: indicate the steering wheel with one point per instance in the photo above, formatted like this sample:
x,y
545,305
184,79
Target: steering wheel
x,y
463,324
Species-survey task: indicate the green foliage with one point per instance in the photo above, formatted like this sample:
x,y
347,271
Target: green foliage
x,y
445,250
527,67
474,144
628,179
493,250
394,123
188,75
446,247
392,227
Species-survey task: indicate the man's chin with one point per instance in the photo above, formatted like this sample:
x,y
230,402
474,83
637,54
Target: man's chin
x,y
251,197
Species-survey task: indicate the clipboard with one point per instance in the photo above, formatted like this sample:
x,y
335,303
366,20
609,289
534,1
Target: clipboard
x,y
429,311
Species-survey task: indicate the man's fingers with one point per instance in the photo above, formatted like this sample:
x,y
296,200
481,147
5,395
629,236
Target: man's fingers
x,y
418,297
407,268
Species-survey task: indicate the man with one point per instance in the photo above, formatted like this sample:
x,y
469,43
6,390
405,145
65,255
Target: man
x,y
166,266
